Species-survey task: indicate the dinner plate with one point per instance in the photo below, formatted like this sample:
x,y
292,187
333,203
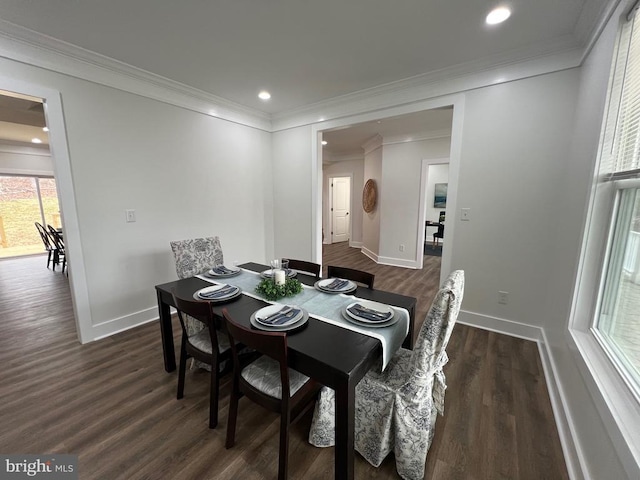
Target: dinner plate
x,y
388,323
222,271
292,314
202,293
385,312
269,273
322,285
279,328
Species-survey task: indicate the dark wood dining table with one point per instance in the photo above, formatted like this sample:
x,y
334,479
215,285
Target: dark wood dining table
x,y
334,356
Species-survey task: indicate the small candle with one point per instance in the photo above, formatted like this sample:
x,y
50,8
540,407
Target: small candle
x,y
279,277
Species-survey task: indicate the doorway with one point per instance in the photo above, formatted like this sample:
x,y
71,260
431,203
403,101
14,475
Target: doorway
x,y
340,206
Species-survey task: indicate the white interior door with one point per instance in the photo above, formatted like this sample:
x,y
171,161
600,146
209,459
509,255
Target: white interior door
x,y
340,204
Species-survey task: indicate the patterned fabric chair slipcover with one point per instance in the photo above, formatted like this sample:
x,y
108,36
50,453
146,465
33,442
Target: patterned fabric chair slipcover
x,y
396,409
194,257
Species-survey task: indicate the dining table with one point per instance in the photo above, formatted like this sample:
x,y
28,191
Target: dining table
x,y
334,356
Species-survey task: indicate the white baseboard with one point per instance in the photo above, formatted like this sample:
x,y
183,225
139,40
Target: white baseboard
x,y
397,262
566,431
500,325
355,244
117,325
370,254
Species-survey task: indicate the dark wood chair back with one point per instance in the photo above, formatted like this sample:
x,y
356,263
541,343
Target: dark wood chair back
x,y
201,311
49,246
305,267
290,407
352,274
59,253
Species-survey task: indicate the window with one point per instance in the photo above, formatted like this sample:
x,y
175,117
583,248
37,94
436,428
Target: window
x,y
617,322
23,201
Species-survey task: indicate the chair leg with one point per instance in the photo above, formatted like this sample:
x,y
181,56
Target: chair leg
x,y
213,395
283,462
233,414
183,367
49,258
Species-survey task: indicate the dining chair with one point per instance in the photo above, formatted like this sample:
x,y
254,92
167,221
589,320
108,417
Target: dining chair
x,y
199,346
269,382
396,409
438,235
193,257
358,276
59,252
305,267
48,243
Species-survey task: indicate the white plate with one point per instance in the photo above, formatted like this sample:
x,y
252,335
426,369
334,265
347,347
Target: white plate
x,y
388,323
322,285
232,272
280,328
269,273
215,288
378,307
272,309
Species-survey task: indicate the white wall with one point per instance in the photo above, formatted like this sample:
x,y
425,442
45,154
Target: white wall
x,y
371,220
185,174
19,160
399,212
355,170
292,194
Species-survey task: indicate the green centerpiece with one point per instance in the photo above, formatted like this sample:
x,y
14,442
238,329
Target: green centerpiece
x,y
269,290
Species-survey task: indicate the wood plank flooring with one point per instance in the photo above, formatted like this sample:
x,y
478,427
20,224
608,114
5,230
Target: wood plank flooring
x,y
112,403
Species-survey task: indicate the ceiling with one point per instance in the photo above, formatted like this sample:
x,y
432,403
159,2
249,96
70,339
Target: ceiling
x,y
346,142
21,120
305,52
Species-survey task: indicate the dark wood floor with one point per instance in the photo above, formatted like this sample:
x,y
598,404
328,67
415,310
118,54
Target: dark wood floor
x,y
111,402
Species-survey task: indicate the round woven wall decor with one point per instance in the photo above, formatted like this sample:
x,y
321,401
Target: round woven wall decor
x,y
369,196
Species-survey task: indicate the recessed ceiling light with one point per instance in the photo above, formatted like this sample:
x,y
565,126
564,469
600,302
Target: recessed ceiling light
x,y
36,140
498,15
45,129
324,142
264,95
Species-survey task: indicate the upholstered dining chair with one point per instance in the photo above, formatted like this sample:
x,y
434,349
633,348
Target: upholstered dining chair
x,y
269,382
358,276
396,409
208,345
305,267
193,257
48,243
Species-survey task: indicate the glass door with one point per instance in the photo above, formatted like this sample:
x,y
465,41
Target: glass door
x,y
24,201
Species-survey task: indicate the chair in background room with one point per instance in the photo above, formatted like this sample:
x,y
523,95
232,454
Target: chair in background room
x,y
396,409
269,382
357,276
199,346
48,243
59,253
438,235
305,267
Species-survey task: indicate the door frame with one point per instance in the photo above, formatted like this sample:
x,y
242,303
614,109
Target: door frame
x,y
59,150
422,206
330,195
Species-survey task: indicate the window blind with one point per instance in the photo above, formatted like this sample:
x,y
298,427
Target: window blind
x,y
621,142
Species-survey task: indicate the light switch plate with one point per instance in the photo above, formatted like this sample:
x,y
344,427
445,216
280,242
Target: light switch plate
x,y
465,214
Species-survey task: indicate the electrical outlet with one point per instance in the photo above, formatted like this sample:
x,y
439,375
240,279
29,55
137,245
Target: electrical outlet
x,y
503,298
465,214
401,248
131,215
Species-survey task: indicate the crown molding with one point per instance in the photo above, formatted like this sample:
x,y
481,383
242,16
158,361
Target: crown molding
x,y
27,46
345,158
409,138
371,144
515,65
590,32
